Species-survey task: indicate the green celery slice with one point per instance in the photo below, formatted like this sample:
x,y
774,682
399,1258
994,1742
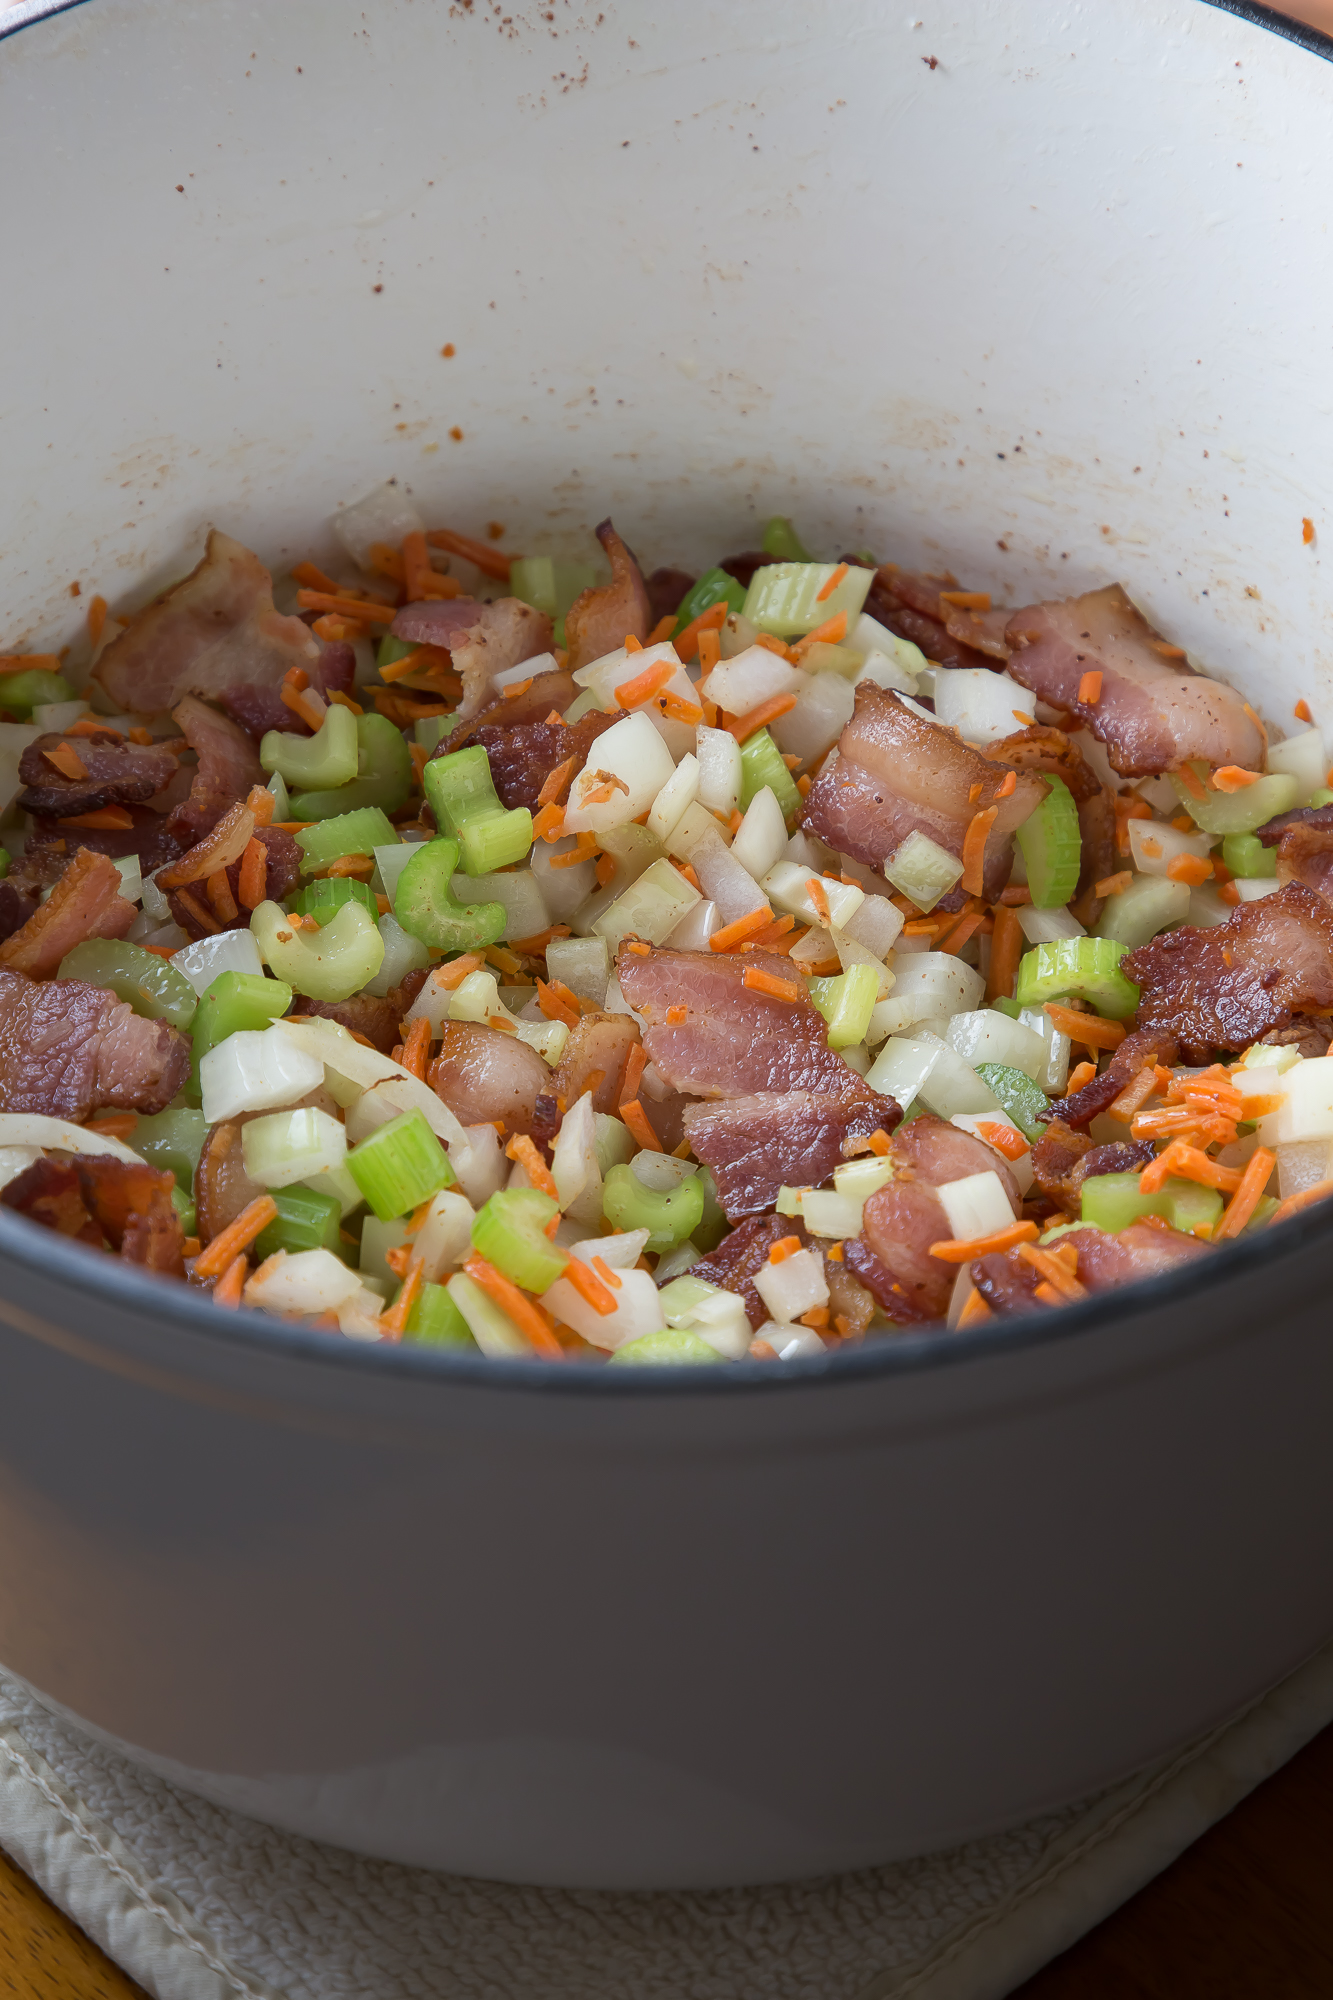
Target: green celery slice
x,y
359,832
1245,855
1237,812
761,764
784,598
426,908
673,1347
236,1001
435,1321
1113,1201
324,898
715,586
1023,1099
384,775
147,982
781,541
400,1166
669,1216
330,964
847,1001
549,584
305,1220
1052,846
172,1140
329,757
510,1232
21,693
1085,968
1147,906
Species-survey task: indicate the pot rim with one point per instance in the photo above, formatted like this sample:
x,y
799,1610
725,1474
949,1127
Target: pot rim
x,y
165,1302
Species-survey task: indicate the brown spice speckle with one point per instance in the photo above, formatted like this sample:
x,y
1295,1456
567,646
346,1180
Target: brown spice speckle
x,y
456,434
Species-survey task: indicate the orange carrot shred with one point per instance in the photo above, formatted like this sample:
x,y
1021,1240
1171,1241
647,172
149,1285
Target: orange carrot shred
x,y
636,1062
687,642
1301,711
951,1251
482,555
252,882
525,1151
786,1246
763,713
1082,1073
227,1291
831,583
1231,778
107,818
1090,1029
393,1322
611,1279
975,1309
252,1221
1090,687
220,896
555,782
1114,885
643,686
744,927
1248,1195
831,633
359,608
66,759
555,1005
663,629
767,982
416,1048
635,1120
974,848
1295,1202
526,1314
589,1286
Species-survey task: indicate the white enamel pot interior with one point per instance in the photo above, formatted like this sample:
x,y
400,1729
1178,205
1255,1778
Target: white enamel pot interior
x,y
1039,293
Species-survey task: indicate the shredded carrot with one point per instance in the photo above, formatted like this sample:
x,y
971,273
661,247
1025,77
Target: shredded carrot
x,y
679,710
675,1015
532,947
975,1310
227,1291
1294,1203
197,913
416,1048
831,583
1010,785
1189,868
555,1005
143,737
958,933
1090,1029
1189,778
483,555
1114,885
974,848
305,703
1006,1139
1301,711
554,783
1134,1095
450,976
66,759
1248,1195
360,608
966,600
1231,778
526,1314
687,642
1228,892
252,1221
710,651
515,689
831,633
1307,529
786,1246
1053,1271
22,663
1007,947
606,868
767,982
220,896
161,950
663,629
1128,807
259,801
350,864
90,725
765,712
393,1321
548,823
602,795
96,619
1090,688
1082,1073
589,1286
771,644
252,882
636,1123
108,819
611,1279
951,1251
420,581
1187,1163
524,1150
636,1062
429,662
744,927
974,793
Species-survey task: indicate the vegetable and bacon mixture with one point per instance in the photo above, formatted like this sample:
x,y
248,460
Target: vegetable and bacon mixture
x,y
667,969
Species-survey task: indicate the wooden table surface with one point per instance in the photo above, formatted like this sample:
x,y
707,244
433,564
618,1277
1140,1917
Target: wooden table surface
x,y
1245,1914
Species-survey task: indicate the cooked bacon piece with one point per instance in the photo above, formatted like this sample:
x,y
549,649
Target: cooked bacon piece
x,y
932,1151
85,903
118,774
485,1076
1144,1046
49,1192
604,617
598,1047
522,758
667,589
68,1048
380,1021
481,639
1041,749
1064,1159
227,768
732,1265
222,1188
753,1146
259,707
743,566
1225,987
895,774
735,1040
981,630
1318,819
666,1115
215,628
909,604
1306,1035
50,846
1141,1251
848,1300
15,909
1007,1282
1152,713
554,690
131,1204
1305,854
281,880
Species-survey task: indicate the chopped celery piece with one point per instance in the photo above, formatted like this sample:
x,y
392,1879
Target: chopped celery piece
x,y
236,1001
713,587
323,899
1263,1214
785,598
714,1225
510,1232
435,1321
1237,812
847,1002
330,964
1323,797
548,584
150,985
326,758
383,775
1113,1201
669,1216
425,906
672,1346
305,1221
358,832
1245,855
400,1165
462,796
1084,968
286,1146
1018,1095
21,693
761,764
1009,1007
172,1140
781,541
1052,846
680,1299
391,649
428,729
185,1209
1147,906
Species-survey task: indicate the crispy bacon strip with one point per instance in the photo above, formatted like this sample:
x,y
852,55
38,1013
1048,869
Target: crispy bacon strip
x,y
85,903
604,617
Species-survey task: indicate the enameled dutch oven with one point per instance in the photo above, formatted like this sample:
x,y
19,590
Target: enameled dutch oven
x,y
1043,293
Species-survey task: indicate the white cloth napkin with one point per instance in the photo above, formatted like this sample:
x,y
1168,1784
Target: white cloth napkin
x,y
197,1903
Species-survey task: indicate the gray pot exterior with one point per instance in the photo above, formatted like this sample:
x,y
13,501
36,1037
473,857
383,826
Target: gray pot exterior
x,y
681,1634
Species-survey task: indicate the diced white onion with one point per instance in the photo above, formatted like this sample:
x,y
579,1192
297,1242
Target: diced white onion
x,y
650,908
1155,845
290,1146
926,984
877,925
982,706
1302,757
695,826
1251,889
825,1212
695,928
662,1172
306,1281
791,1343
257,1070
229,951
391,861
526,670
633,752
574,1164
638,1309
742,682
679,792
1047,926
1307,1106
445,1237
922,870
518,889
1302,1164
723,880
37,1130
981,1124
1057,1049
581,964
562,889
57,716
797,1285
719,769
987,1036
823,710
402,954
787,887
977,1205
338,1182
761,838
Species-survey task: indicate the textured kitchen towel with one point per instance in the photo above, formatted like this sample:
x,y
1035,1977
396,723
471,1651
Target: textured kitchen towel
x,y
199,1904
